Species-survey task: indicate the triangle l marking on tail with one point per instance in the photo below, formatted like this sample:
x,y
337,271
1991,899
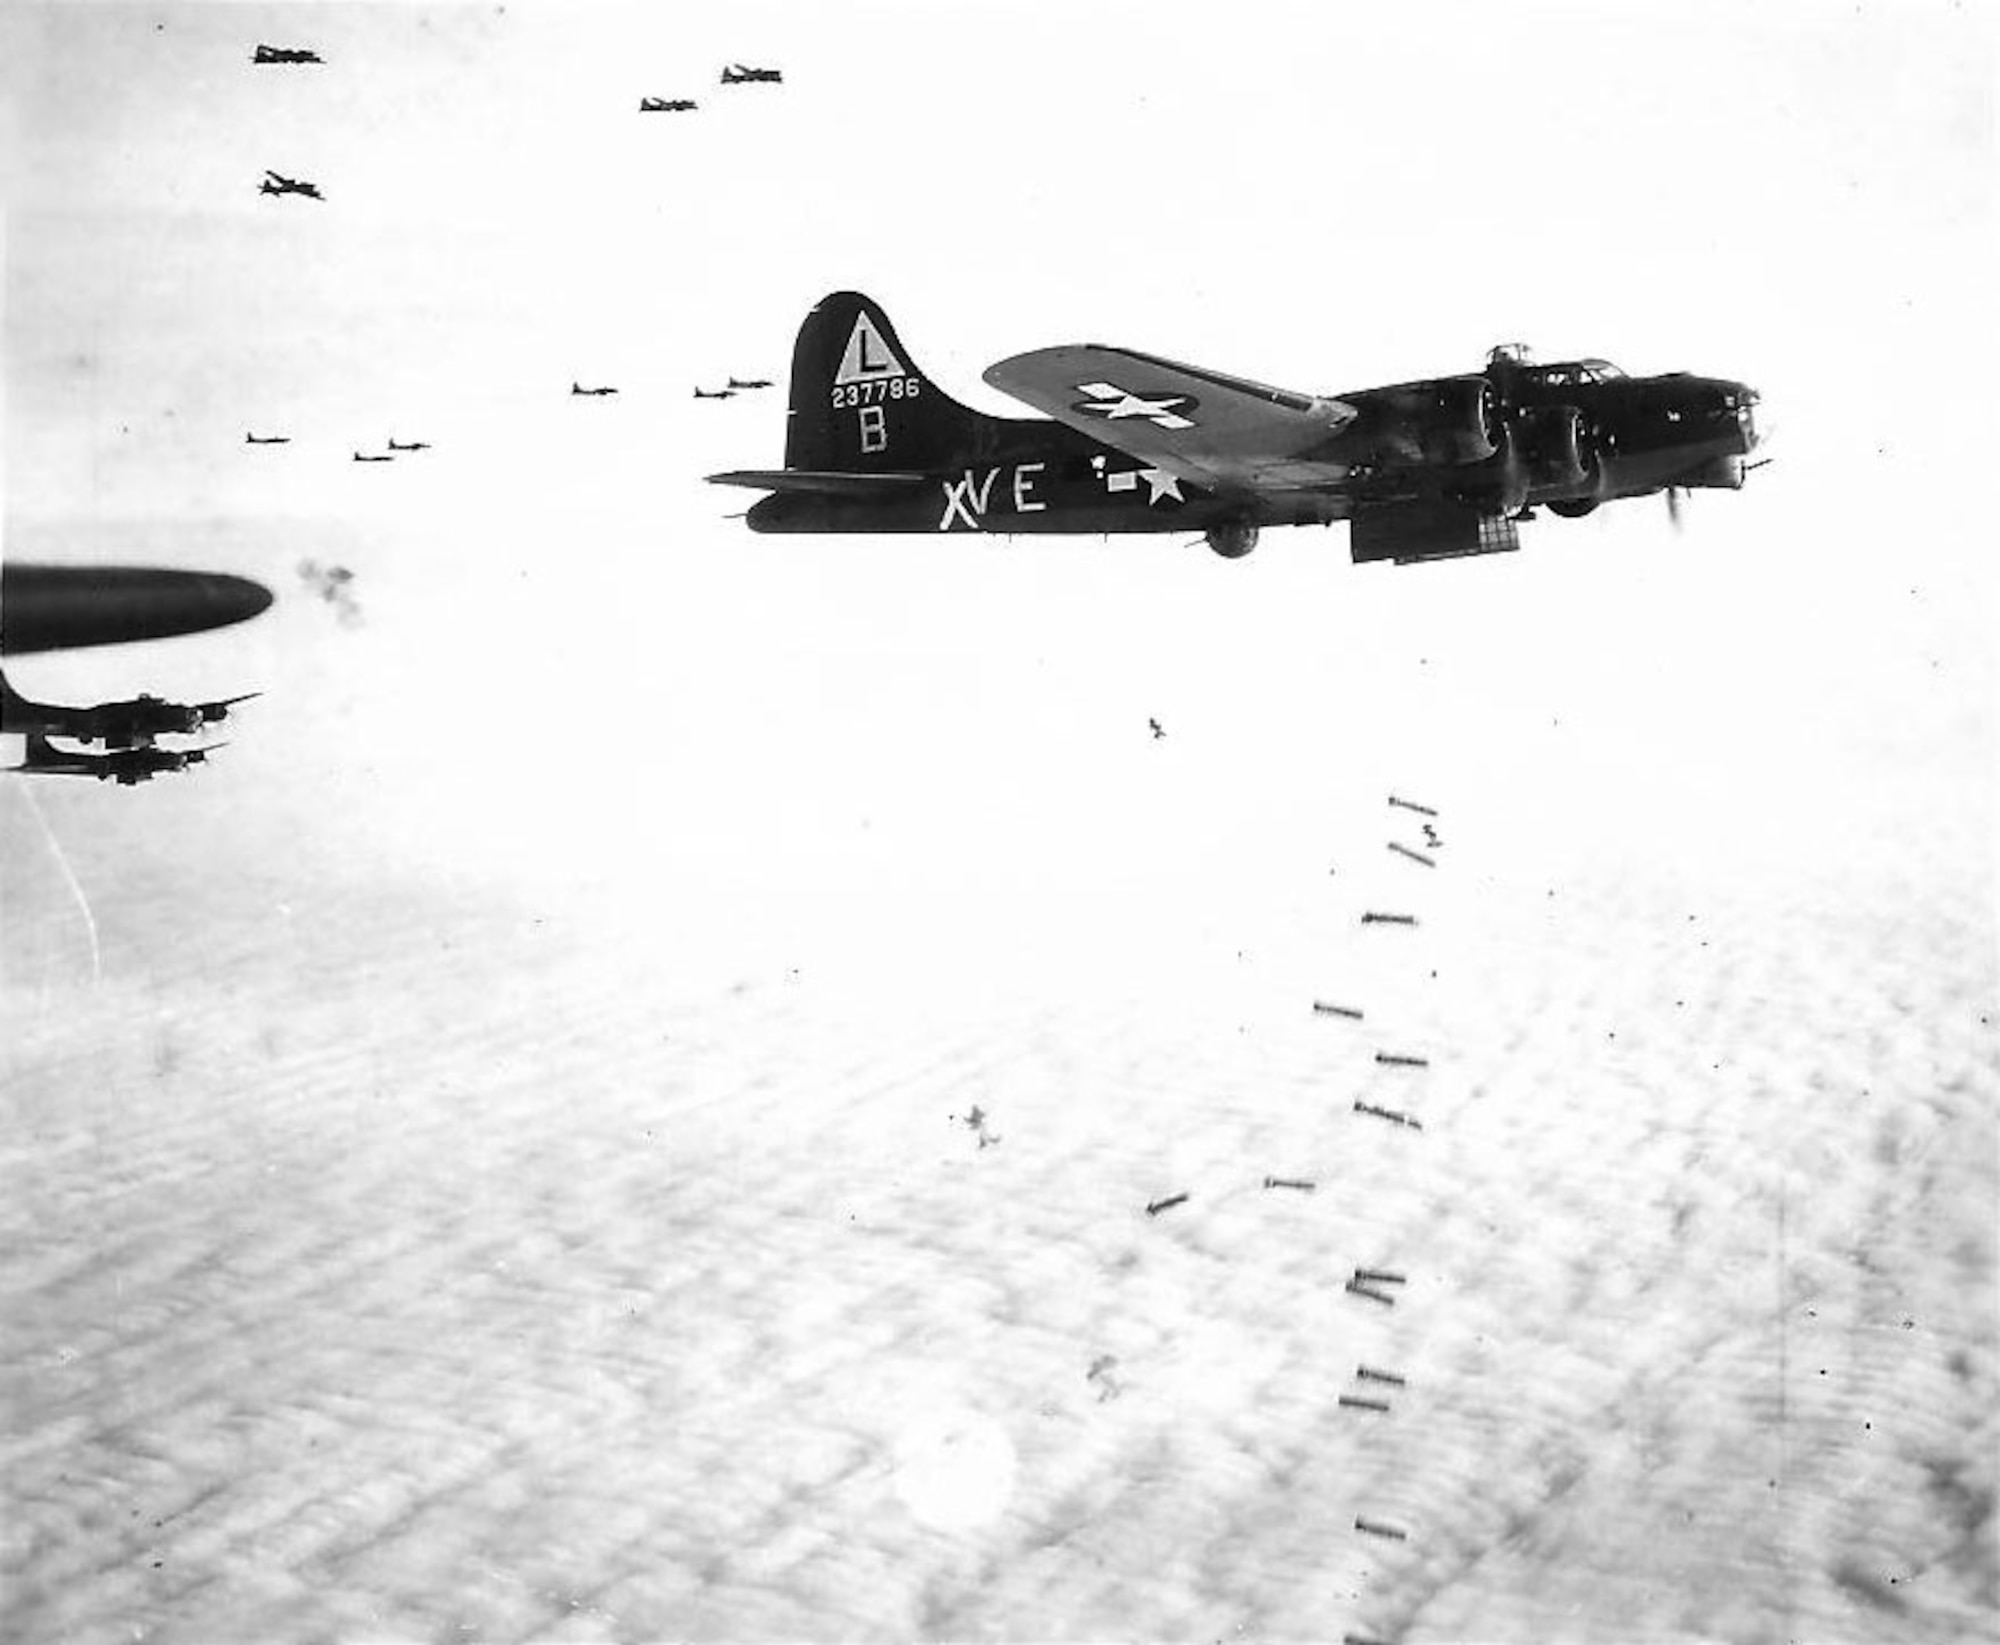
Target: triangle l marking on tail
x,y
867,357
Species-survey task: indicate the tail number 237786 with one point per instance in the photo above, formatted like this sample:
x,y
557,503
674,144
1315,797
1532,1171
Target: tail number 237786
x,y
873,393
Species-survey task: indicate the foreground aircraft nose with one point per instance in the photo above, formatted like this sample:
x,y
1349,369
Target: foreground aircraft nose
x,y
53,608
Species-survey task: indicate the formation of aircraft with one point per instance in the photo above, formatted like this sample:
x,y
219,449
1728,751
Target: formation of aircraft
x,y
133,722
275,183
125,767
1131,442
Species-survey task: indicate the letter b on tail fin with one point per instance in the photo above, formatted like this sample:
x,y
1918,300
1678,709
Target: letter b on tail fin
x,y
860,406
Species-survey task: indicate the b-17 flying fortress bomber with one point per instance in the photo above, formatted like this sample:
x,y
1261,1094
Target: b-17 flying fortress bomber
x,y
275,183
737,74
666,105
131,723
125,766
1132,442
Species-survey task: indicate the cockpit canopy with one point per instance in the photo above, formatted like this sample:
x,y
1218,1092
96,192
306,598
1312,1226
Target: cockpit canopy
x,y
1576,371
1562,374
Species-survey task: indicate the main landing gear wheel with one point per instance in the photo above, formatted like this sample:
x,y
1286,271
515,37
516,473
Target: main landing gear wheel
x,y
1232,542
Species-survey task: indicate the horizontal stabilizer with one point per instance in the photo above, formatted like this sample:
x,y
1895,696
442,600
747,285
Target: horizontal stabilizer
x,y
824,482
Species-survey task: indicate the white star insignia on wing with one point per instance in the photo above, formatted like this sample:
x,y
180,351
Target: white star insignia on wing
x,y
1109,400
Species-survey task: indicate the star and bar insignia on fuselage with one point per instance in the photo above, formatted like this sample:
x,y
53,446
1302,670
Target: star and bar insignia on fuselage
x,y
1159,483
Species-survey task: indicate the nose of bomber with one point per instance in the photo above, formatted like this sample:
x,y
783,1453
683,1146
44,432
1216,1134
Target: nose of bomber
x,y
1746,415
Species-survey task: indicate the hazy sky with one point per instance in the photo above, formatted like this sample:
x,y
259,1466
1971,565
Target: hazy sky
x,y
565,634
1795,195
1761,191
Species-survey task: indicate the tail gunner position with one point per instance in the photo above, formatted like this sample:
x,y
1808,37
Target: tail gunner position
x,y
1424,470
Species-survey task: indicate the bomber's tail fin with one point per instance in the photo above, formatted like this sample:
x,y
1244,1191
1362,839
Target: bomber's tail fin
x,y
860,405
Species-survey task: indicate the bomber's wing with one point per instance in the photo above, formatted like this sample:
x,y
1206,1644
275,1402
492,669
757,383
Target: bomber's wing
x,y
53,608
1226,433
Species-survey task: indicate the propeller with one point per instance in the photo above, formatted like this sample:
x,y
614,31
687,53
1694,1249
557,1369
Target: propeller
x,y
1674,494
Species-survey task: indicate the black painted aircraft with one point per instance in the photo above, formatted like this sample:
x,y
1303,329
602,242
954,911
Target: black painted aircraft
x,y
578,388
274,183
408,445
738,75
740,383
267,439
380,457
701,393
125,767
285,54
666,105
1423,470
131,723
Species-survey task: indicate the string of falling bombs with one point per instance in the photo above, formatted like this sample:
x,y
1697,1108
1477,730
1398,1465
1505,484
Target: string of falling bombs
x,y
1375,1389
1326,1008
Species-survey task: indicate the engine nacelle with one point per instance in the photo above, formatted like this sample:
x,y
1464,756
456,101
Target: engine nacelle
x,y
1555,447
1232,541
1543,451
1447,420
1467,428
